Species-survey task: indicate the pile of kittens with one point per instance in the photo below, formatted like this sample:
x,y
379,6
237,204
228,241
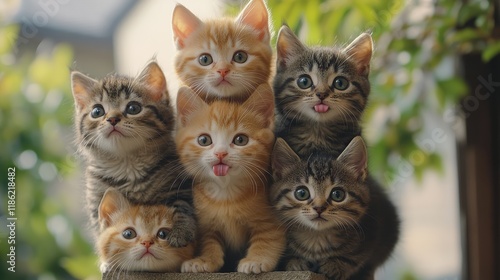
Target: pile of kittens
x,y
242,176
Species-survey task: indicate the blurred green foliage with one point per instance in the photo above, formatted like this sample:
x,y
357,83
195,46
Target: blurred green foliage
x,y
35,125
413,75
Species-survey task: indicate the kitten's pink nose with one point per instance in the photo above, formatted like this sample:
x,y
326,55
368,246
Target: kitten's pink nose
x,y
221,155
147,244
223,72
113,120
320,209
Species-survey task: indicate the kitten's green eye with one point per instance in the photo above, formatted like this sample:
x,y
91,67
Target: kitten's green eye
x,y
240,57
205,59
340,83
129,233
204,140
304,82
240,140
162,233
97,111
302,193
337,195
133,108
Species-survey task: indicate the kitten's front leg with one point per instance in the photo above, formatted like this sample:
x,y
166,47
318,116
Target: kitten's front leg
x,y
184,225
338,268
211,258
266,247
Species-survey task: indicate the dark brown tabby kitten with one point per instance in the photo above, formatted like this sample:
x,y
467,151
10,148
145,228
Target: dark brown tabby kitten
x,y
124,131
320,93
340,222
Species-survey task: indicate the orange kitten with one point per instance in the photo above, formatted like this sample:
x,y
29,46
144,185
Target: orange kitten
x,y
223,58
133,237
226,148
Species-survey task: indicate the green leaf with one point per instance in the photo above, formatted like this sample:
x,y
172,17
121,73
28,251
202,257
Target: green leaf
x,y
491,51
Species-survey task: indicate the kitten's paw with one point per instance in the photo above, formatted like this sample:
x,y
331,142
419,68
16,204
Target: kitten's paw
x,y
180,237
199,265
252,265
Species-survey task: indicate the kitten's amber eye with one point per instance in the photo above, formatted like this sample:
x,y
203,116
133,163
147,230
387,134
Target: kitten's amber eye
x,y
133,108
162,233
205,59
240,57
240,140
337,195
97,111
340,83
304,82
302,193
129,233
204,140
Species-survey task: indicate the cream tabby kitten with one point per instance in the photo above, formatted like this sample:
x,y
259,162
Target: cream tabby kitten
x,y
134,237
223,58
226,146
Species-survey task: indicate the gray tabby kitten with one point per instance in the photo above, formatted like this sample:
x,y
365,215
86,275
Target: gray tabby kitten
x,y
320,93
124,131
340,222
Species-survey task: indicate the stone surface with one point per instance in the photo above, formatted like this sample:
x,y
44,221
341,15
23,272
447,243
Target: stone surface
x,y
277,275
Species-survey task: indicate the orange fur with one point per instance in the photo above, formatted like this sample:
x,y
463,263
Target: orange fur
x,y
119,254
221,39
233,210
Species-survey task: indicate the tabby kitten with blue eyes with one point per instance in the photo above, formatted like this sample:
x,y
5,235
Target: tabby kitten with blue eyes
x,y
320,92
223,58
124,131
134,237
339,221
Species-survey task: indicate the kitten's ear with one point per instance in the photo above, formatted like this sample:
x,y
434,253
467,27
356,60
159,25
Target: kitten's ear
x,y
112,201
184,23
81,86
355,158
360,50
283,158
256,15
261,101
187,103
288,45
153,77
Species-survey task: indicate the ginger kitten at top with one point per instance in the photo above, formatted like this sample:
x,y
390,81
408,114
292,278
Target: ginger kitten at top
x,y
223,58
226,147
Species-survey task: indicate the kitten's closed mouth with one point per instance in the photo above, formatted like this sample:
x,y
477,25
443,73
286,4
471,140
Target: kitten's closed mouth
x,y
319,219
223,82
114,131
220,169
321,108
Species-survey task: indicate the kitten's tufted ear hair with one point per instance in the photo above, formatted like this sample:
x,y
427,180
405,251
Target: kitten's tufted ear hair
x,y
355,158
152,76
360,50
184,23
283,159
112,202
188,102
256,15
288,45
261,101
82,86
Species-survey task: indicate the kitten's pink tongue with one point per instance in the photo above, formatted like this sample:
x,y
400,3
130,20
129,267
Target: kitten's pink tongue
x,y
321,108
220,169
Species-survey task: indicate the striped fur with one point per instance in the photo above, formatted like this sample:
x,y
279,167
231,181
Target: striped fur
x,y
138,158
235,219
347,239
304,129
222,39
118,254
